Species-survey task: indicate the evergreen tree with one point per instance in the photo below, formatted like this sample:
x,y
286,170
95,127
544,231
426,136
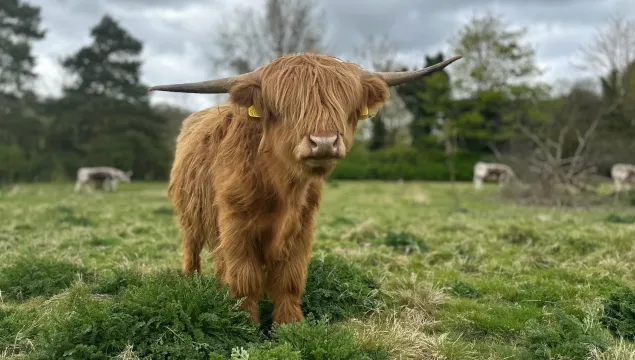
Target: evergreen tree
x,y
19,27
379,133
104,118
21,129
110,66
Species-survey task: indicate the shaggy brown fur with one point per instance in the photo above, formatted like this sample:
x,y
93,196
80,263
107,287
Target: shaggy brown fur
x,y
238,184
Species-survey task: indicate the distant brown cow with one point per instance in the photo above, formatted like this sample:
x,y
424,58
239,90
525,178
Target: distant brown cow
x,y
247,176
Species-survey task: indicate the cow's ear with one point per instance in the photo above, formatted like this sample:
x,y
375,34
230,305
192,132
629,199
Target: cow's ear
x,y
247,93
376,94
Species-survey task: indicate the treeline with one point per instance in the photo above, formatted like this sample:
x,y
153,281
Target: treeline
x,y
434,129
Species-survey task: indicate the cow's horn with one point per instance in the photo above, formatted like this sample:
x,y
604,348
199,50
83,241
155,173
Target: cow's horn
x,y
399,77
216,86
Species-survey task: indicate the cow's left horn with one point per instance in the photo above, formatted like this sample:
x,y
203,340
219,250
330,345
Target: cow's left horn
x,y
216,86
394,78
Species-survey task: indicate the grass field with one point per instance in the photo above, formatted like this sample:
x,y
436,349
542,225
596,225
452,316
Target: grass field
x,y
399,272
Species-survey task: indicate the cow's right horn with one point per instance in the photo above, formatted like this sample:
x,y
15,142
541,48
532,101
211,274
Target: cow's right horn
x,y
216,86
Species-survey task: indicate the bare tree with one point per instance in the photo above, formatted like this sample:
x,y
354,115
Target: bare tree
x,y
377,53
612,47
609,57
261,35
558,157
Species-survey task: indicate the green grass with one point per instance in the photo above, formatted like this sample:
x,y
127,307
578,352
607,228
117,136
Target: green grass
x,y
399,272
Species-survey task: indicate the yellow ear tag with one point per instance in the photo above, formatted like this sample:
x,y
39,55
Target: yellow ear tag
x,y
365,114
252,112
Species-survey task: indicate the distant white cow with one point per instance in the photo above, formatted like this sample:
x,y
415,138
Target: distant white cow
x,y
491,171
108,177
623,175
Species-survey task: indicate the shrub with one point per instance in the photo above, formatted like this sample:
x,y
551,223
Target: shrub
x,y
15,331
562,336
321,341
117,281
338,289
274,351
168,315
29,277
619,313
403,163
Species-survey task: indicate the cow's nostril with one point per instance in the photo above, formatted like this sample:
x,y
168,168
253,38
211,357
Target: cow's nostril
x,y
313,144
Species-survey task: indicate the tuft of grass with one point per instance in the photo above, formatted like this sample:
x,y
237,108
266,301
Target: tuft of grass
x,y
167,315
116,280
15,332
405,242
622,350
520,236
163,210
274,351
559,335
619,313
31,276
339,289
318,340
462,289
618,219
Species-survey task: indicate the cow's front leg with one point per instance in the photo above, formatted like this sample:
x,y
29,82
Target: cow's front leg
x,y
286,279
241,267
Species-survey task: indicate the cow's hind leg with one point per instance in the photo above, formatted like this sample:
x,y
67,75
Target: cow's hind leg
x,y
191,247
192,241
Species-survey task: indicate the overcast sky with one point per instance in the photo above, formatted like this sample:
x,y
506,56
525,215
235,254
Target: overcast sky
x,y
177,33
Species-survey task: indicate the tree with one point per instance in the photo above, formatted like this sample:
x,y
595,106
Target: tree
x,y
21,129
375,53
611,49
494,56
110,66
378,133
426,99
19,27
251,38
105,117
609,57
495,74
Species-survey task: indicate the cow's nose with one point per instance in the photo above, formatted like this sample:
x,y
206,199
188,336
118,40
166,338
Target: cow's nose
x,y
324,146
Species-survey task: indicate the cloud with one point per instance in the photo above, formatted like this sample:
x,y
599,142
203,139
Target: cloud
x,y
177,34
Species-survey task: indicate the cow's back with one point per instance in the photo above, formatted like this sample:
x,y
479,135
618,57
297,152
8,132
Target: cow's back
x,y
196,148
191,188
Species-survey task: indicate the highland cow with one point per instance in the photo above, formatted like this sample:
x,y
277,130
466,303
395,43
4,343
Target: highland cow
x,y
492,172
247,176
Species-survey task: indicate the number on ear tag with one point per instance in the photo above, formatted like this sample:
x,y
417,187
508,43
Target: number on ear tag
x,y
252,112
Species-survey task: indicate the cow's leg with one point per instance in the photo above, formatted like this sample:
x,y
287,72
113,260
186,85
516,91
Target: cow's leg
x,y
478,182
617,185
239,263
114,184
78,185
286,278
191,245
